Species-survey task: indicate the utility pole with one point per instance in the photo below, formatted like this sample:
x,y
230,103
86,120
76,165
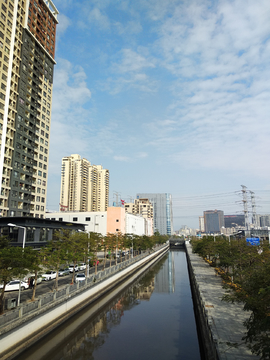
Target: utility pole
x,y
244,192
116,195
130,198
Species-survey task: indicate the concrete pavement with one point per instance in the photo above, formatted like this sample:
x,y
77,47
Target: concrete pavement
x,y
225,320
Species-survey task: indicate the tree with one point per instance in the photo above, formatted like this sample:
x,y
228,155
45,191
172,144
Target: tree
x,y
75,251
110,241
56,252
84,243
35,260
14,262
95,245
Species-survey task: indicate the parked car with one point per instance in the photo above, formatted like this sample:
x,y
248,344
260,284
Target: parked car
x,y
79,277
63,272
39,279
14,285
49,275
28,277
71,268
82,266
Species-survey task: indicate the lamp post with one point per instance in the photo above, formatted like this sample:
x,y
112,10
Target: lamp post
x,y
239,232
23,245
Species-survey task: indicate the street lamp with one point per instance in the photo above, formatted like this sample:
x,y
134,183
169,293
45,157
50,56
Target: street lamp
x,y
24,232
239,232
23,245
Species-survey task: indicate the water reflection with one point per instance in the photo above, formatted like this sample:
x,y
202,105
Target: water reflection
x,y
140,322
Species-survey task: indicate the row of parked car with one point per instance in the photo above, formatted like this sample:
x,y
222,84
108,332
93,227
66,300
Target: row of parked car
x,y
48,275
51,274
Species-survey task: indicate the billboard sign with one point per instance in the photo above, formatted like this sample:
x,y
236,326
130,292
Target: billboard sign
x,y
253,241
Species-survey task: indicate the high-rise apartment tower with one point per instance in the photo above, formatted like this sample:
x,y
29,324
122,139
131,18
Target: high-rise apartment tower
x,y
84,187
27,48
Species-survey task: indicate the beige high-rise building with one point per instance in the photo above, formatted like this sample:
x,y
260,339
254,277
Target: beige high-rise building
x,y
84,187
27,49
140,207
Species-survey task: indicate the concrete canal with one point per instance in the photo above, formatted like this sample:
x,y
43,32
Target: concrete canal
x,y
152,318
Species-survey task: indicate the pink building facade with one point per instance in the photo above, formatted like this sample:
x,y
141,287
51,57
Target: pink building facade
x,y
116,220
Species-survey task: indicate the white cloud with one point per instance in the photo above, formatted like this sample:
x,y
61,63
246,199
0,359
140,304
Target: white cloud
x,y
131,27
97,18
64,23
121,158
219,57
132,61
70,94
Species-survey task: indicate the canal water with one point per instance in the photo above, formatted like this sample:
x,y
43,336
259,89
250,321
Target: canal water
x,y
151,319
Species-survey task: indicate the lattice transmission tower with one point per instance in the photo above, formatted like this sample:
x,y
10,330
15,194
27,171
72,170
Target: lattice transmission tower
x,y
245,203
253,205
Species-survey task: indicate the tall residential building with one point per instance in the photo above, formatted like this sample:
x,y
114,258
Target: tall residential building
x,y
27,48
201,223
140,207
144,208
84,187
213,220
162,211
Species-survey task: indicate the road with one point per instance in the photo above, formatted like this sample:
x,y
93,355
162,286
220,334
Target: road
x,y
48,286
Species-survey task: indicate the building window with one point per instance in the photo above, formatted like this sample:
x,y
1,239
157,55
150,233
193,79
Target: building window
x,y
75,219
117,220
60,219
87,219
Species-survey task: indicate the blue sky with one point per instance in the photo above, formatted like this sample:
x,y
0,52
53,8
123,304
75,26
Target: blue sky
x,y
170,96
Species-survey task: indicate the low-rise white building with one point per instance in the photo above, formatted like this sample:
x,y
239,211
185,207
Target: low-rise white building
x,y
135,224
93,221
98,221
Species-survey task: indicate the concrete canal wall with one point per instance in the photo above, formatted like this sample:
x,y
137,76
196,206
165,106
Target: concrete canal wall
x,y
220,323
23,331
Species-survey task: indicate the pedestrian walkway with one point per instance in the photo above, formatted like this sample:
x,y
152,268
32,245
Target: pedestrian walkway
x,y
225,319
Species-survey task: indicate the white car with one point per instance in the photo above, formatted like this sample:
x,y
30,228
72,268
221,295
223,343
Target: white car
x,y
63,272
49,275
79,277
29,276
82,266
71,268
14,285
